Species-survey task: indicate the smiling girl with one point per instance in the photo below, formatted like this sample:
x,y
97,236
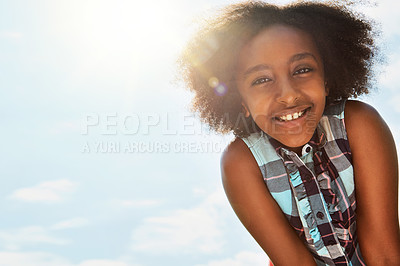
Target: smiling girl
x,y
311,175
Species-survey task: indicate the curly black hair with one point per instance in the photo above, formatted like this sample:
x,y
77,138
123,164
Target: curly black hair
x,y
344,39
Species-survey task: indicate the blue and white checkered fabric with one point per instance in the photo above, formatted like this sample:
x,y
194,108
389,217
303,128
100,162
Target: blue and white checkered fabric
x,y
316,190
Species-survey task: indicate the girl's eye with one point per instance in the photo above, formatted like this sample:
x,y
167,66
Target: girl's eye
x,y
260,81
303,71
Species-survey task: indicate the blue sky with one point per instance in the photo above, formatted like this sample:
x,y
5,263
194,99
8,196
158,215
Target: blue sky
x,y
102,162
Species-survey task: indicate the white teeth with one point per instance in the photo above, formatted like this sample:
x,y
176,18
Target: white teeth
x,y
291,117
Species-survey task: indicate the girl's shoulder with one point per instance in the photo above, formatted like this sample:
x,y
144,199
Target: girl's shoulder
x,y
354,106
345,118
374,160
237,154
360,116
366,129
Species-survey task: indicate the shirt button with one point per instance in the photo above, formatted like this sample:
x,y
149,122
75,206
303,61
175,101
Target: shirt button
x,y
306,149
320,215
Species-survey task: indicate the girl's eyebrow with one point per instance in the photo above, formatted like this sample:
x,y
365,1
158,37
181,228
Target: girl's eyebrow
x,y
255,69
300,56
294,58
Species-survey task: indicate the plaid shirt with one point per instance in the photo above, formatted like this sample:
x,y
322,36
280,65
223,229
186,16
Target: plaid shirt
x,y
316,190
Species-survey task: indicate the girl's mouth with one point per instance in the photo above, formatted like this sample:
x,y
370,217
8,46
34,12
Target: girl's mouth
x,y
292,116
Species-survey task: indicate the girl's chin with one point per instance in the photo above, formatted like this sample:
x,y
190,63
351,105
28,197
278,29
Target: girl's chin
x,y
293,140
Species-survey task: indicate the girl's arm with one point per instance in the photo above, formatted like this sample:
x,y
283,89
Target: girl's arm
x,y
257,210
376,181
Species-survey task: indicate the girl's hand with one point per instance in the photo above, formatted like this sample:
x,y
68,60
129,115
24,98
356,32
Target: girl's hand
x,y
257,210
376,182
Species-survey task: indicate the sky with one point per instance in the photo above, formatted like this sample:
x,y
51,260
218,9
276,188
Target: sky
x,y
102,162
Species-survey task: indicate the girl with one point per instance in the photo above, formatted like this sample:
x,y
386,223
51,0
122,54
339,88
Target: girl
x,y
313,177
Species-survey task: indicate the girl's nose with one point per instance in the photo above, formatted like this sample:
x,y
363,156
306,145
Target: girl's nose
x,y
287,94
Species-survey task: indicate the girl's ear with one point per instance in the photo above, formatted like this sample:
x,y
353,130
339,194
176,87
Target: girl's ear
x,y
245,110
326,89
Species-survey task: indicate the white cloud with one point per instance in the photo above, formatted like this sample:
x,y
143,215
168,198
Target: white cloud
x,y
65,127
14,239
51,191
390,76
244,258
136,203
102,263
28,236
48,259
31,259
10,35
395,102
199,229
71,223
386,13
199,191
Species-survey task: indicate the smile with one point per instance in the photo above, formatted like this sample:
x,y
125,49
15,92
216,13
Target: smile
x,y
292,116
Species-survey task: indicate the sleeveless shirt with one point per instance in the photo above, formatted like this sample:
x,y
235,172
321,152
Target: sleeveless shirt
x,y
315,191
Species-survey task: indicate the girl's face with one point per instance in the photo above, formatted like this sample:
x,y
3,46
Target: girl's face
x,y
280,77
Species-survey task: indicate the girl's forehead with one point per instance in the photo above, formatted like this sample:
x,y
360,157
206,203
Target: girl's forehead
x,y
279,38
277,45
